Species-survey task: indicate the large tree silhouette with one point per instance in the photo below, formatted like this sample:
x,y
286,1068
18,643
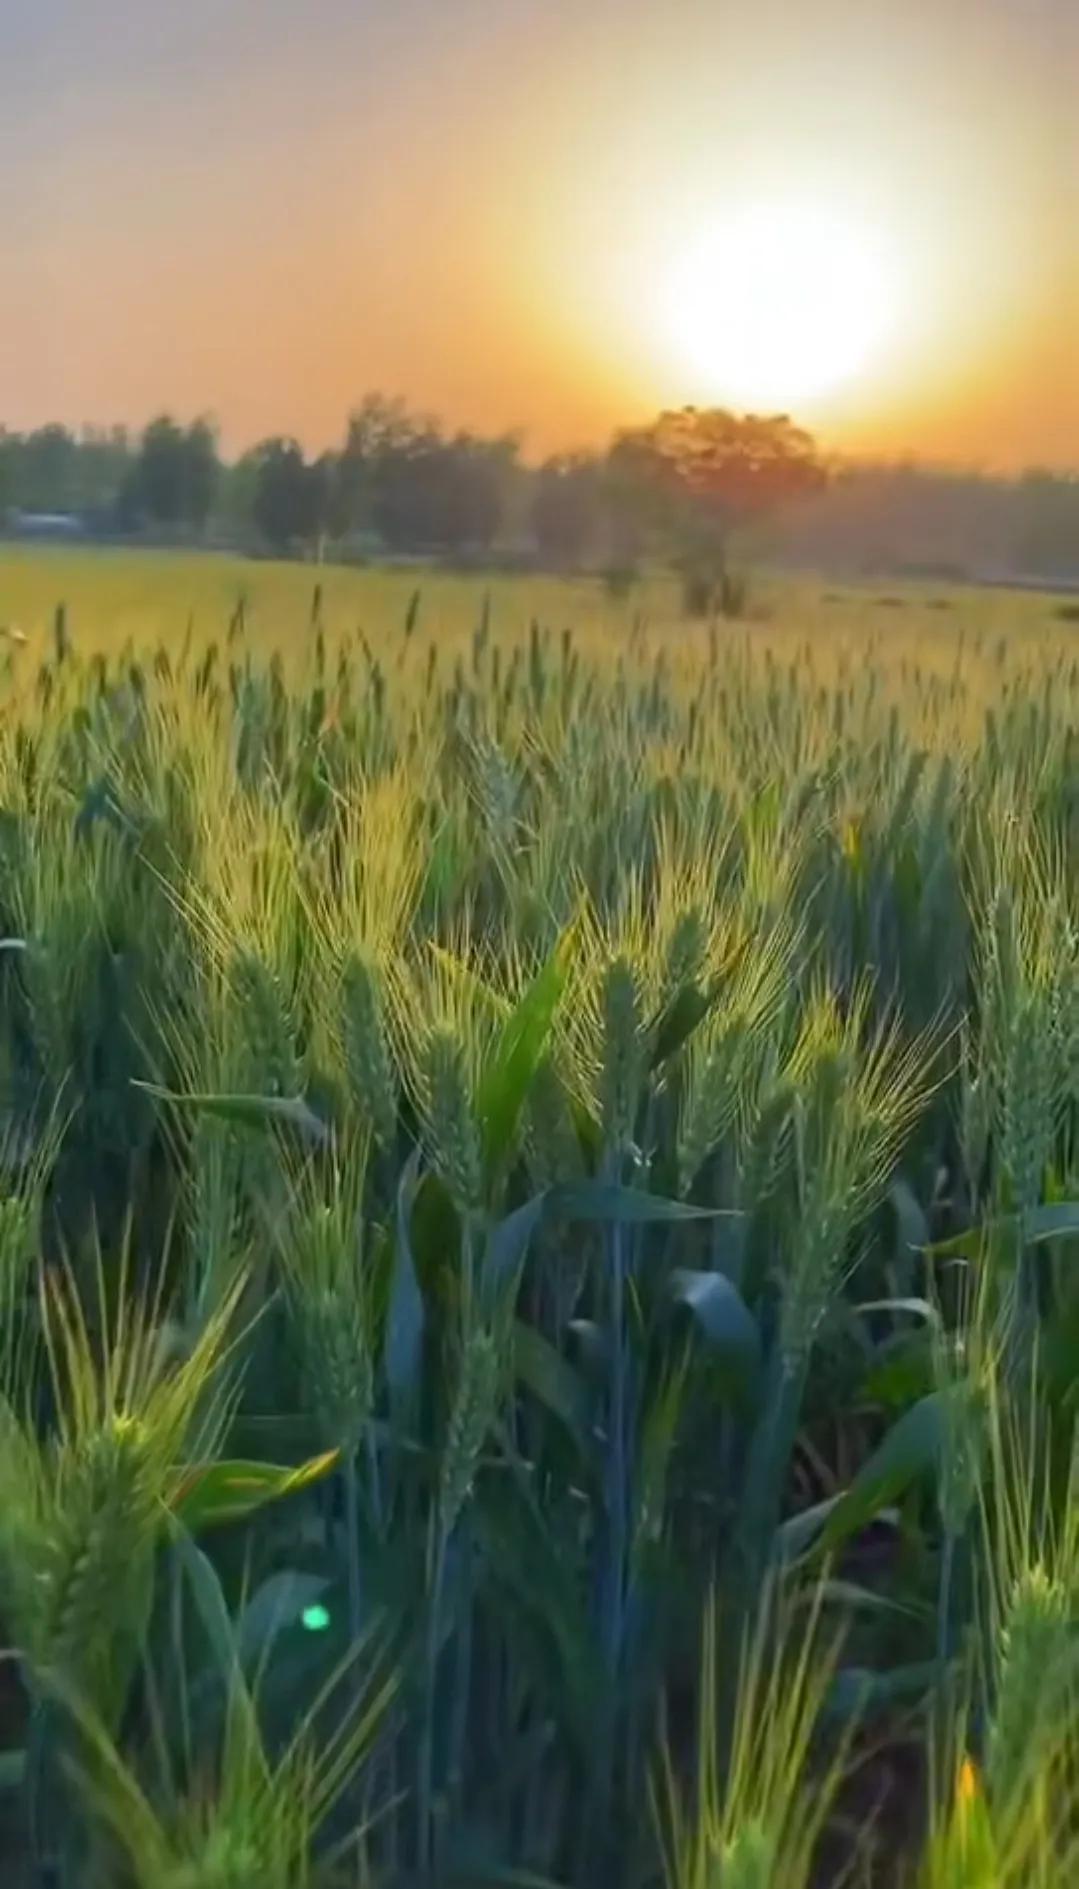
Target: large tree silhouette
x,y
698,474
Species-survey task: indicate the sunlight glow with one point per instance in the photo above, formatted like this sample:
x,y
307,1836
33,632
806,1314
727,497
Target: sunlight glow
x,y
780,303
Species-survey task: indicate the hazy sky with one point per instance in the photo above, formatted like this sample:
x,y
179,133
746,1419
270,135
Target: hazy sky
x,y
265,208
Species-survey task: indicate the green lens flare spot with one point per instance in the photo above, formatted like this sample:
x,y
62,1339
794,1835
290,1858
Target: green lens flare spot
x,y
316,1619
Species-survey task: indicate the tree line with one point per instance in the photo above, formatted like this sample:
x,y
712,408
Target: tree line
x,y
399,480
402,484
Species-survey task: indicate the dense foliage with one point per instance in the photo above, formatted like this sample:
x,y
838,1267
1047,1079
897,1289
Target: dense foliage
x,y
540,1320
404,483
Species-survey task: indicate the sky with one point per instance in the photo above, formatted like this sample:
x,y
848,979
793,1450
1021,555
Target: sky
x,y
546,215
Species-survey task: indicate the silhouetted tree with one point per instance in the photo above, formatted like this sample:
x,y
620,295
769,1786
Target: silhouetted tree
x,y
329,497
683,486
175,477
378,430
471,481
418,489
698,474
289,497
54,470
45,477
567,508
202,470
1047,536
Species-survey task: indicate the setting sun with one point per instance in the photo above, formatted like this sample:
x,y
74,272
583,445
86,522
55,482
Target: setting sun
x,y
780,303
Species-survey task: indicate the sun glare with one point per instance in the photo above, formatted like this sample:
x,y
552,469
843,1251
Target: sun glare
x,y
780,303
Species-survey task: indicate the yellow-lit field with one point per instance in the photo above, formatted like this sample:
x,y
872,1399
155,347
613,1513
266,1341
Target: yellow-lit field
x,y
971,641
150,596
539,1210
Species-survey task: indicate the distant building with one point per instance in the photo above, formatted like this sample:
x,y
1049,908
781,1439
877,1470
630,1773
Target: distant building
x,y
45,525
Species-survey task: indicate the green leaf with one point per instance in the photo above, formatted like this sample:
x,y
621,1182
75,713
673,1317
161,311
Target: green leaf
x,y
552,1379
605,1201
911,1224
858,1690
902,1370
405,1319
212,1493
968,1245
658,1428
911,1448
249,1111
507,1243
721,1312
537,1569
209,1598
517,1054
911,1308
1057,1222
855,1598
798,1533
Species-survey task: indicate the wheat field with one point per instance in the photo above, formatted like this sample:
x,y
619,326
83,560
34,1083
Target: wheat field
x,y
540,1200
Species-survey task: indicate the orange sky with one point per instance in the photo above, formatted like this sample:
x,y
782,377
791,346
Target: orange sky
x,y
265,210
